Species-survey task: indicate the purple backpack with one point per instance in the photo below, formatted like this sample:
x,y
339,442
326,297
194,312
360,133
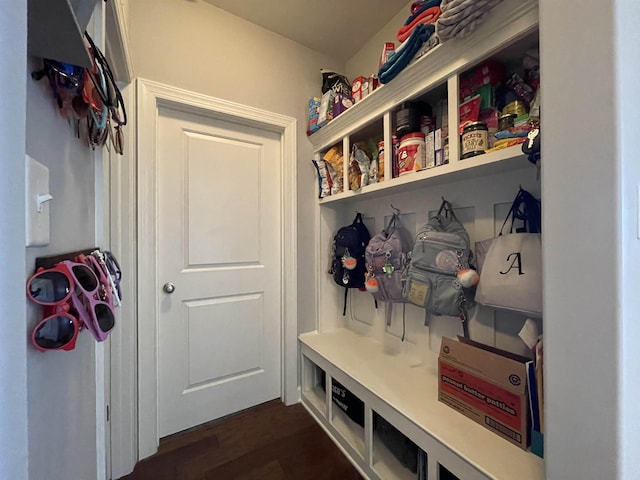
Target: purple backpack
x,y
386,258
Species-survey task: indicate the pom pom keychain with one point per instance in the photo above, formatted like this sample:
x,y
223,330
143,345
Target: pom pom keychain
x,y
348,261
468,277
371,284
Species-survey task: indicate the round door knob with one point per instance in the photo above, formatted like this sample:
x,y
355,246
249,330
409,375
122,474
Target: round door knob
x,y
169,287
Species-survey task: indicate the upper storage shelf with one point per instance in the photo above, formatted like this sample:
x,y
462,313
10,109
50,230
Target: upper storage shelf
x,y
56,29
511,20
504,160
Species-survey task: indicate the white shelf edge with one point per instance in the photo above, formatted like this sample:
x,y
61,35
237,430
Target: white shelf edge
x,y
412,392
506,159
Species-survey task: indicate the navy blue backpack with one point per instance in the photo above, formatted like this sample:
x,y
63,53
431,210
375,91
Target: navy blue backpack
x,y
348,266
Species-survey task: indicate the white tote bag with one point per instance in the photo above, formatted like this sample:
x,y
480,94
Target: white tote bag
x,y
511,275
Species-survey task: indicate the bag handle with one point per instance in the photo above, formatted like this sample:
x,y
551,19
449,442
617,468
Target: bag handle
x,y
358,218
526,208
393,223
447,208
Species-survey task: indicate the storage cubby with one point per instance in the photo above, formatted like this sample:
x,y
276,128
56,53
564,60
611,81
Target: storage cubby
x,y
392,368
347,416
314,388
484,93
394,455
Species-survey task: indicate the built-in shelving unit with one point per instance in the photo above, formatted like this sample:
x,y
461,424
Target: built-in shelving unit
x,y
406,394
393,369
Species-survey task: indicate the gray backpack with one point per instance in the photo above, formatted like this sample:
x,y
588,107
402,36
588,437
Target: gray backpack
x,y
386,258
441,250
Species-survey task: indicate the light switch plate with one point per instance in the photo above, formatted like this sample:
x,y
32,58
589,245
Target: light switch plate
x,y
37,203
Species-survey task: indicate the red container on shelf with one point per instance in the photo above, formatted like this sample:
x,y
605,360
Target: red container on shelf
x,y
490,72
411,153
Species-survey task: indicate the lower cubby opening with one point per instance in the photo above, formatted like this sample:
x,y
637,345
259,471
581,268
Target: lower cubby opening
x,y
313,385
395,456
347,416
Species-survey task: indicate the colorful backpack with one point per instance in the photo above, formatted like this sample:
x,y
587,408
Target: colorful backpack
x,y
440,278
348,261
386,259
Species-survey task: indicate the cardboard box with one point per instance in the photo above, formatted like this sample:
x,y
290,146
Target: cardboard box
x,y
430,150
359,89
325,114
487,385
314,112
340,104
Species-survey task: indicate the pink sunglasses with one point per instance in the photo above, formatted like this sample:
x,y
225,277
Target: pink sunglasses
x,y
89,299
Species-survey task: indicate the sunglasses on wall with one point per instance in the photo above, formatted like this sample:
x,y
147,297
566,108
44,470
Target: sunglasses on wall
x,y
77,284
58,330
92,299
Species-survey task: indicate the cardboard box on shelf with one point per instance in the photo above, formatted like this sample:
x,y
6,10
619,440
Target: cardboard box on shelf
x,y
487,385
341,103
359,89
314,112
325,113
430,150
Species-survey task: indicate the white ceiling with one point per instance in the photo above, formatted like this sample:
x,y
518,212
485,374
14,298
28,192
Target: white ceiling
x,y
338,28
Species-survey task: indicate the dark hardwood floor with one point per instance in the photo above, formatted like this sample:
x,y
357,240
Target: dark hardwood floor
x,y
267,442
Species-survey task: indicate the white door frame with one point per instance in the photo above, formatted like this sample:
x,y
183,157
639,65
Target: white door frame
x,y
119,185
151,96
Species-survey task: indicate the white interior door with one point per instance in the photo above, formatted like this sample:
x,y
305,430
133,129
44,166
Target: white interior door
x,y
219,194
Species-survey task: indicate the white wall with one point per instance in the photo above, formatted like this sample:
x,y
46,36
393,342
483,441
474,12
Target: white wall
x,y
198,47
627,45
13,345
61,393
584,137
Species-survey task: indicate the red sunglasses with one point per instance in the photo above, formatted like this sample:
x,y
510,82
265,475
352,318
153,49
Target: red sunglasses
x,y
50,286
58,330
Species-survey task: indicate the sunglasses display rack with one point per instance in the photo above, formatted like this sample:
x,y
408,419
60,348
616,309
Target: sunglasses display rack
x,y
77,290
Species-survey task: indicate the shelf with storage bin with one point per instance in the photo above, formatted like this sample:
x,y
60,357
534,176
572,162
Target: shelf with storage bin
x,y
348,429
395,376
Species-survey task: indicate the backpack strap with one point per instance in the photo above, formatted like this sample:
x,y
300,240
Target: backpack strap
x,y
388,307
344,309
391,226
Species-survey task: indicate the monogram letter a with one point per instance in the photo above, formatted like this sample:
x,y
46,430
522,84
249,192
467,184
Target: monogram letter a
x,y
515,263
